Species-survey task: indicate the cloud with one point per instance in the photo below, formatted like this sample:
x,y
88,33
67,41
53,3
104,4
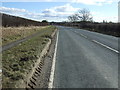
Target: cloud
x,y
57,13
21,12
12,10
60,11
65,8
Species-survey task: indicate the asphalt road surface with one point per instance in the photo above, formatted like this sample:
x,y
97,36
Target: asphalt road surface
x,y
85,59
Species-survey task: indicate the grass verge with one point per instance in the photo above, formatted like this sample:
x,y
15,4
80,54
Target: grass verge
x,y
11,34
18,61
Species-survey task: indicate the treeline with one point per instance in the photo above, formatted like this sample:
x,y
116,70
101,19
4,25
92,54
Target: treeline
x,y
106,28
9,20
83,19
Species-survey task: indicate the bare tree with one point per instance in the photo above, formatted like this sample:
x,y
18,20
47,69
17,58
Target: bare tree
x,y
73,18
81,15
84,15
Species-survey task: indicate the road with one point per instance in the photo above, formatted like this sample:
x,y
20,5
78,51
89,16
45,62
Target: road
x,y
85,59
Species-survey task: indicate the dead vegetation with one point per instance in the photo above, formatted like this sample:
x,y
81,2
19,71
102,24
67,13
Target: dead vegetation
x,y
10,34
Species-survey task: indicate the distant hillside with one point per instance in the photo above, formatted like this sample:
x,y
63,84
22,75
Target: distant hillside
x,y
9,20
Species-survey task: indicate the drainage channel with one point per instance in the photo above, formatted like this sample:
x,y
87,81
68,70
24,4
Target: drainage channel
x,y
33,80
40,77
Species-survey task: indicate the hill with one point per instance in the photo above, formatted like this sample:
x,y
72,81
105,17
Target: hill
x,y
9,20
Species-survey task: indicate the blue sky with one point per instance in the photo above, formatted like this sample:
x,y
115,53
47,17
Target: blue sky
x,y
59,11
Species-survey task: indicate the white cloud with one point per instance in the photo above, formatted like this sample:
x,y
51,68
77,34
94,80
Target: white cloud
x,y
53,13
20,12
60,11
65,8
12,10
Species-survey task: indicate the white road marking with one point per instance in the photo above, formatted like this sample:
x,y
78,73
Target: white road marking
x,y
99,43
105,46
53,65
84,36
81,34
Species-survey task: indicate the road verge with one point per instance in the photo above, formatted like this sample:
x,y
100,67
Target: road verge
x,y
37,70
20,62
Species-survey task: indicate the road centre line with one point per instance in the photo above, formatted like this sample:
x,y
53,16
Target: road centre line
x,y
105,46
99,43
81,34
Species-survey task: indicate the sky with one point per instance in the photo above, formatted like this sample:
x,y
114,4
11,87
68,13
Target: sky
x,y
54,10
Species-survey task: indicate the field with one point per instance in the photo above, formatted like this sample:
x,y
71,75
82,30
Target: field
x,y
18,61
10,34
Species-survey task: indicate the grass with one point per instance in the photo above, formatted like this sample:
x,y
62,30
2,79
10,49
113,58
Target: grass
x,y
11,34
18,61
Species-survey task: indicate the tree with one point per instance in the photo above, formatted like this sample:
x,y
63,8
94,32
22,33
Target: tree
x,y
73,18
44,21
104,21
84,15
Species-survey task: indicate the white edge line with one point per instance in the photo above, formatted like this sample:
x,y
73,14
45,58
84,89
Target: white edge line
x,y
106,46
50,85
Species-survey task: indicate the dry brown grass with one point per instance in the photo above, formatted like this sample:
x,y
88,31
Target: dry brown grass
x,y
11,34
